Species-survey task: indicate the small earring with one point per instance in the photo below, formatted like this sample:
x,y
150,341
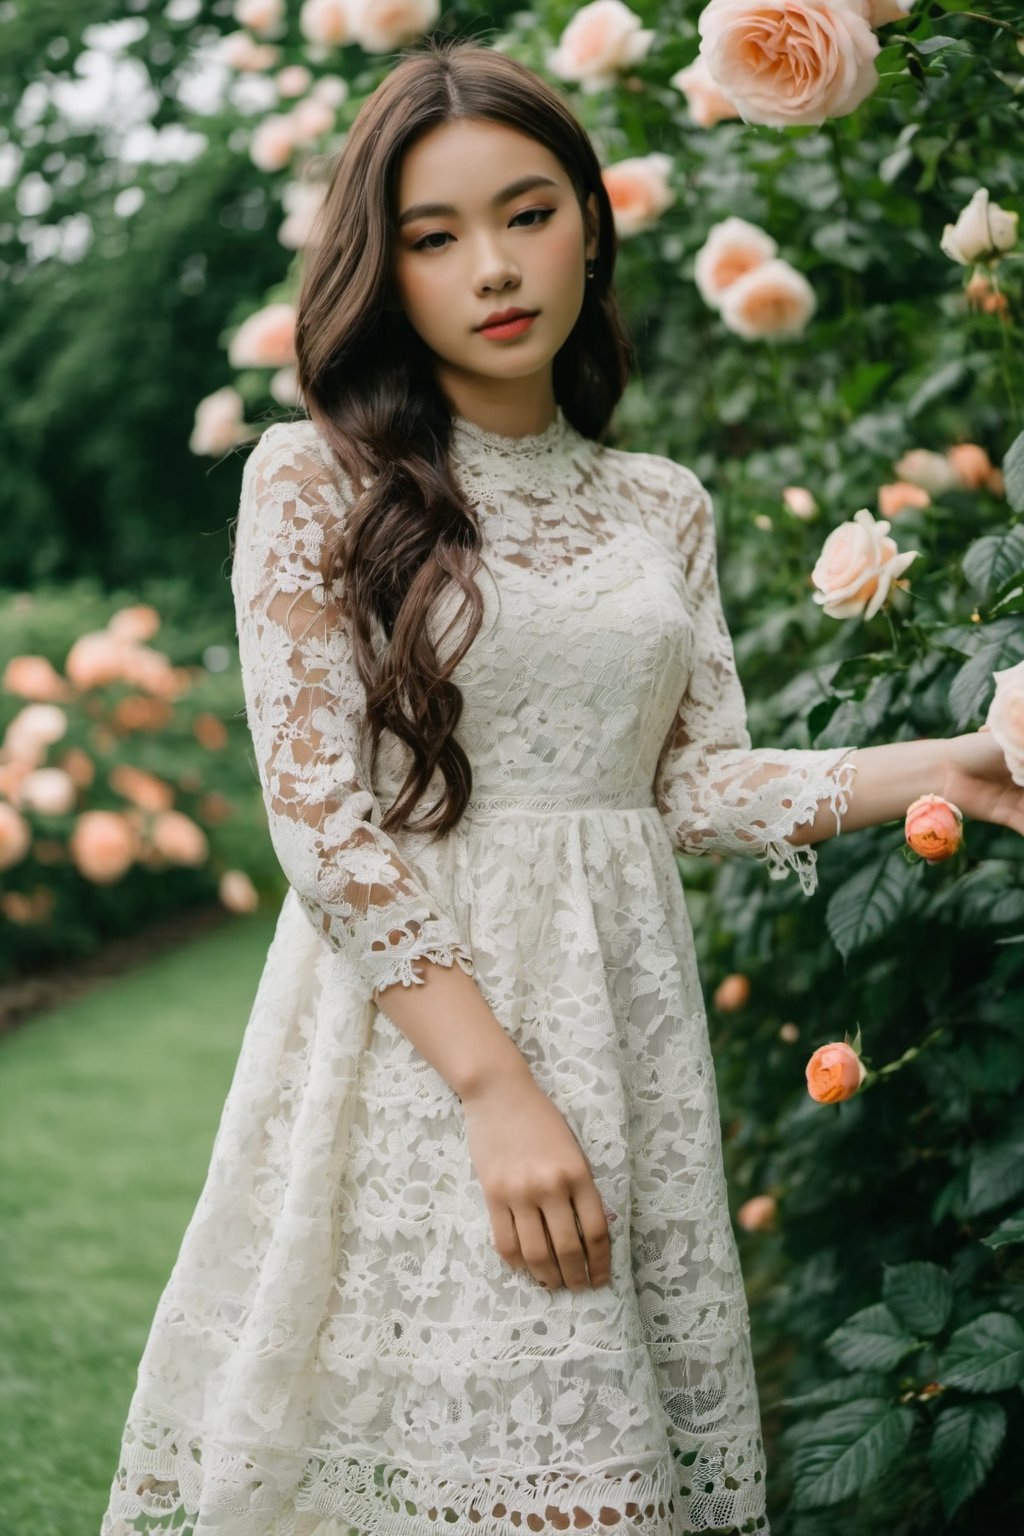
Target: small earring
x,y
591,268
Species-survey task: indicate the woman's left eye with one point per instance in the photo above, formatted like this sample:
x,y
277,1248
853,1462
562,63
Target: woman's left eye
x,y
525,213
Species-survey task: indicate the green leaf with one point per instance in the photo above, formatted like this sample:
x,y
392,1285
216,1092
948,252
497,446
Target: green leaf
x,y
848,1450
971,690
995,1170
920,1294
986,1355
1013,473
867,905
994,560
872,1339
939,382
1010,1230
842,1390
964,1446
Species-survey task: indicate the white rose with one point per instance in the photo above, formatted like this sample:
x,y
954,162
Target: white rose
x,y
284,386
931,471
1005,718
49,790
982,231
790,61
707,102
772,300
380,25
638,190
857,566
601,39
732,248
293,80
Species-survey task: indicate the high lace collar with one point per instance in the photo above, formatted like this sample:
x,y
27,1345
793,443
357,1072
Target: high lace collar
x,y
556,432
493,462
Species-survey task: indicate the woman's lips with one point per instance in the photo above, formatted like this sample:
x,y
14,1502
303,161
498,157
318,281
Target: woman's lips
x,y
514,327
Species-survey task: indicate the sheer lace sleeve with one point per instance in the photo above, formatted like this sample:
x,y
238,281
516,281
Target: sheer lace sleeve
x,y
304,702
714,792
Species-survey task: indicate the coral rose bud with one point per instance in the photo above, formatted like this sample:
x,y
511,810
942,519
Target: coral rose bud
x,y
757,1213
934,828
835,1072
210,731
48,790
732,992
895,497
179,839
34,677
237,891
971,465
15,836
103,846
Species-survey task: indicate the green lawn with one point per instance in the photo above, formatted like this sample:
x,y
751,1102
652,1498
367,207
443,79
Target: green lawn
x,y
109,1109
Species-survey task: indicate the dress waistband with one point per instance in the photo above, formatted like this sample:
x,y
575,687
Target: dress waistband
x,y
491,807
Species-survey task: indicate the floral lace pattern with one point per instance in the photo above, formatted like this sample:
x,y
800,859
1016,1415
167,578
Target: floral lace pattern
x,y
339,1350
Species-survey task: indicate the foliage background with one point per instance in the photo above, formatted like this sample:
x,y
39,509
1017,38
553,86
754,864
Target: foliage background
x,y
888,1296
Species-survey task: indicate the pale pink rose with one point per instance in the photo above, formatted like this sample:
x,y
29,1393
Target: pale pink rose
x,y
48,790
311,119
835,1072
34,677
934,828
273,142
931,471
1005,718
15,836
732,992
293,80
33,729
103,846
970,464
266,339
638,190
757,1213
798,500
284,386
262,16
785,62
95,659
325,22
732,249
772,300
857,566
380,25
179,839
898,495
240,51
707,102
219,422
237,891
303,200
138,622
601,39
332,89
982,232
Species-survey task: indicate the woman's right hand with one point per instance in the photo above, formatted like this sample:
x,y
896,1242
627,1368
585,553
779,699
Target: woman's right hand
x,y
534,1173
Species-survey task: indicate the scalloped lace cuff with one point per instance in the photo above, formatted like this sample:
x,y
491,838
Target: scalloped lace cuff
x,y
835,781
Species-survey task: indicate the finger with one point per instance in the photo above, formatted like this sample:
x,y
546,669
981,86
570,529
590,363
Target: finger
x,y
536,1247
505,1237
560,1218
594,1229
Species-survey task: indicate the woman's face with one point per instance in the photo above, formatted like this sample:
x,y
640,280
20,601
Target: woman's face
x,y
491,251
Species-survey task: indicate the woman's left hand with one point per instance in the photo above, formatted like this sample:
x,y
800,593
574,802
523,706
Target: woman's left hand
x,y
978,781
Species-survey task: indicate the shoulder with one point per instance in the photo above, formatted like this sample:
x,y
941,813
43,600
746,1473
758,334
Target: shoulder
x,y
672,502
292,468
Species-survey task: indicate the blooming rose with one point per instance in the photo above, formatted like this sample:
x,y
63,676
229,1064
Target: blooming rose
x,y
732,992
895,497
772,300
179,839
49,790
95,659
293,80
835,1072
33,729
15,836
970,464
798,500
931,471
1006,718
266,339
34,677
380,25
639,191
934,828
237,891
259,15
138,622
103,845
219,422
707,102
981,233
857,566
732,248
273,141
756,1213
325,21
242,52
790,61
601,39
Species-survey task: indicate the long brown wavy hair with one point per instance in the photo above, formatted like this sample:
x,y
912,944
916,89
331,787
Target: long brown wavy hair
x,y
368,385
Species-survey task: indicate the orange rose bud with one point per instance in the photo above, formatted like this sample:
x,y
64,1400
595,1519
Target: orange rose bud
x,y
756,1213
934,828
835,1072
731,992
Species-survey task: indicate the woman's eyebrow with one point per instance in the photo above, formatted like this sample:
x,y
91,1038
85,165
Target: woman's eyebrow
x,y
428,210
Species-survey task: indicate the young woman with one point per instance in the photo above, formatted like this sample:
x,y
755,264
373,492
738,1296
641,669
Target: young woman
x,y
463,1262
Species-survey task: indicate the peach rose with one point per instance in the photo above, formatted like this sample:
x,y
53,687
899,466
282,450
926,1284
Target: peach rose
x,y
982,232
137,713
325,22
237,891
210,731
143,789
732,992
150,670
34,677
33,729
303,200
103,846
898,495
293,80
931,471
48,790
934,828
380,25
266,339
259,15
790,61
135,624
1005,718
79,767
772,300
240,51
639,191
707,102
798,500
179,839
15,836
857,566
219,423
834,1073
600,40
970,464
732,249
274,141
757,1213
95,659
311,119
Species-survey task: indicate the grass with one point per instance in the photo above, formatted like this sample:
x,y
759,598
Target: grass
x,y
110,1106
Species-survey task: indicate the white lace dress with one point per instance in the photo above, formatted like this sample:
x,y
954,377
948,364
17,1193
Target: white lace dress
x,y
340,1349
